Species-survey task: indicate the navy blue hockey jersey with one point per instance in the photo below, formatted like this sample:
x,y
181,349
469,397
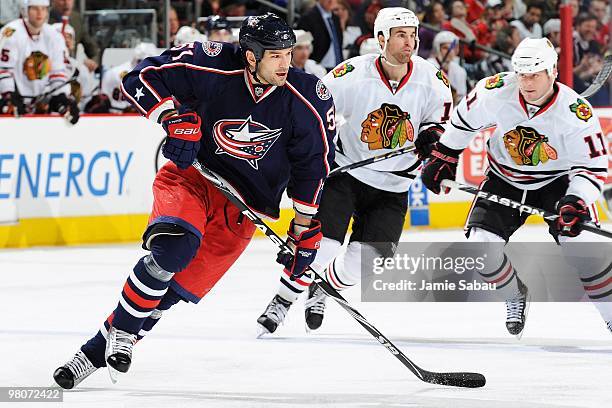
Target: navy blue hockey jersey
x,y
260,140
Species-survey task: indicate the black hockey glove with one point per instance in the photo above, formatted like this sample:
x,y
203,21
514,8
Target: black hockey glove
x,y
183,141
572,211
442,165
424,142
11,103
98,104
65,106
304,245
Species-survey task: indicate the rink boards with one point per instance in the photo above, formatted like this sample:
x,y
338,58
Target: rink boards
x,y
88,183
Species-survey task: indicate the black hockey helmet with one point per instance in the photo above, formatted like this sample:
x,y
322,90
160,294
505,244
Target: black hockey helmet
x,y
217,23
265,32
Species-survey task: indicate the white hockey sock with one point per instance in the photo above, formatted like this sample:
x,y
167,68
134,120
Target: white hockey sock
x,y
498,268
345,270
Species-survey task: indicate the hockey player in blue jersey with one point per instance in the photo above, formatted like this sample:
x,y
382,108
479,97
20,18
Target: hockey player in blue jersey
x,y
262,127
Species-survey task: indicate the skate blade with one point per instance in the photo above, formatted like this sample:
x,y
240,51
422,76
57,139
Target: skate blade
x,y
261,331
113,374
527,304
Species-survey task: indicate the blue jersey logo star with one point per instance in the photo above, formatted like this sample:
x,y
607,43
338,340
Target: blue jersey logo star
x,y
244,139
139,93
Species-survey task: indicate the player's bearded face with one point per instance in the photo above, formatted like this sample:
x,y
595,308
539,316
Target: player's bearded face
x,y
37,15
274,66
401,44
537,86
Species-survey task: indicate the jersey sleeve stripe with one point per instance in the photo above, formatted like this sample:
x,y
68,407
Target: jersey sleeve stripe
x,y
465,123
164,105
597,186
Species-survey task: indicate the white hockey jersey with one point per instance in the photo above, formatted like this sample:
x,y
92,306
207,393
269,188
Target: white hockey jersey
x,y
85,84
380,116
533,146
30,64
111,86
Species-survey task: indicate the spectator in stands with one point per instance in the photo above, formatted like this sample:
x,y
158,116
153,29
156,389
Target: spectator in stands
x,y
232,8
514,9
218,29
506,41
575,5
173,23
301,55
475,9
529,25
585,72
459,25
585,32
552,31
434,16
493,21
367,25
65,8
326,32
444,57
350,33
9,11
600,9
211,7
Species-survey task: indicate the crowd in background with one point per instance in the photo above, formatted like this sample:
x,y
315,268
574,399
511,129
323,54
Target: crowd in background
x,y
328,32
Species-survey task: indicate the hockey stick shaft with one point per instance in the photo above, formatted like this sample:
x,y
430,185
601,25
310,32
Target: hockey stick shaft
x,y
600,79
375,159
470,380
547,215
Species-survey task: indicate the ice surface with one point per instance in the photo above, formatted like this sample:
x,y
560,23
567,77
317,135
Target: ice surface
x,y
207,355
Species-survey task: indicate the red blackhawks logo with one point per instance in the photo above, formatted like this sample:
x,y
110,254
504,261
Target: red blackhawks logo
x,y
244,139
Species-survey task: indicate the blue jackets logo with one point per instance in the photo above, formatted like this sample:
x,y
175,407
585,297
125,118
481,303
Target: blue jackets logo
x,y
244,139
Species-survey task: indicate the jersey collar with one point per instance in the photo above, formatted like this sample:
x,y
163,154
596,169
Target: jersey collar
x,y
383,76
28,30
258,92
544,107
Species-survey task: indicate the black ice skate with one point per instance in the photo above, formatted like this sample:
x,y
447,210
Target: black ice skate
x,y
314,307
273,315
74,371
516,310
118,354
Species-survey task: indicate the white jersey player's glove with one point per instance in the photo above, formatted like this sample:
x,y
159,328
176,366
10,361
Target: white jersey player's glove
x,y
65,106
426,139
442,165
572,211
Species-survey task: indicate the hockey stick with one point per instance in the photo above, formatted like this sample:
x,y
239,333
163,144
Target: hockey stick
x,y
547,215
45,95
385,156
469,380
601,78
